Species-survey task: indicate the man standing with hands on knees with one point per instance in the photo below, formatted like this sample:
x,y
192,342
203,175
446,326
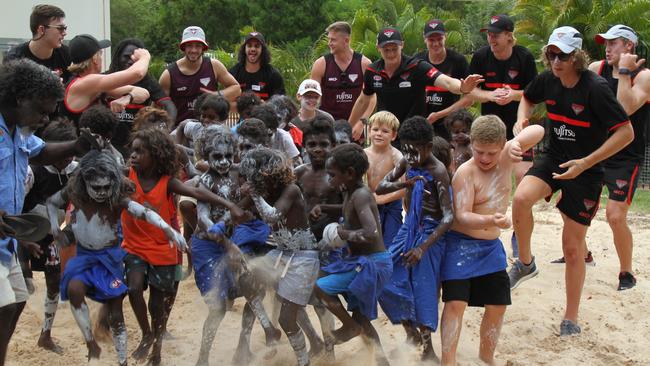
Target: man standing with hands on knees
x,y
588,126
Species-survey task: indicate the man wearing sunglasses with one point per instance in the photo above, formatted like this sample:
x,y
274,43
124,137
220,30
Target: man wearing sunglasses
x,y
631,84
587,126
46,46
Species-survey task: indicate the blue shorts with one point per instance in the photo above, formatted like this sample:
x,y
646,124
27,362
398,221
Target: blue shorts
x,y
336,283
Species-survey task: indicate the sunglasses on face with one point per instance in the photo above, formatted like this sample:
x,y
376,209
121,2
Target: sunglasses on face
x,y
61,28
560,56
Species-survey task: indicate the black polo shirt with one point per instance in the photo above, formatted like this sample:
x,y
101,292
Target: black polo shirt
x,y
58,62
403,94
581,117
266,82
515,72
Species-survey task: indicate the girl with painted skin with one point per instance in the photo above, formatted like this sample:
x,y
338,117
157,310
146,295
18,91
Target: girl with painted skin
x,y
147,257
219,274
99,193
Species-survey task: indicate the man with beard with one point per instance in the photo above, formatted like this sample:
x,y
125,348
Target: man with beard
x,y
340,73
253,70
194,74
46,46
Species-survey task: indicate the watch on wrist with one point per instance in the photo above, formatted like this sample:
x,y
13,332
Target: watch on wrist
x,y
624,71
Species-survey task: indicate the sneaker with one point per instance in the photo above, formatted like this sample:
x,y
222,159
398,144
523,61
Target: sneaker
x,y
515,246
567,328
589,260
520,272
626,281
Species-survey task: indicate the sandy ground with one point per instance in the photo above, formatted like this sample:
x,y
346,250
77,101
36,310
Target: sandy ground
x,y
616,325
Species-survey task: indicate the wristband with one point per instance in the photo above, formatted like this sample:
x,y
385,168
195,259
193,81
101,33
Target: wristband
x,y
624,71
129,95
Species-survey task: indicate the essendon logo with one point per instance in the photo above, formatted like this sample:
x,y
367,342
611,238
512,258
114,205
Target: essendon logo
x,y
490,73
116,283
433,25
353,77
406,75
577,108
377,78
620,183
389,33
432,72
589,204
193,30
513,73
254,34
494,19
551,102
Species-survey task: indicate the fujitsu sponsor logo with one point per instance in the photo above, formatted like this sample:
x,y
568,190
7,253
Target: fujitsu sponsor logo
x,y
564,133
344,97
434,99
125,116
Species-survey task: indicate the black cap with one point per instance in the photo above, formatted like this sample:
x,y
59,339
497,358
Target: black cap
x,y
84,46
389,35
499,23
433,26
254,35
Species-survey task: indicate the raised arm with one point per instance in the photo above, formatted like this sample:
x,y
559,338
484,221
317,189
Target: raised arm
x,y
632,97
525,140
459,86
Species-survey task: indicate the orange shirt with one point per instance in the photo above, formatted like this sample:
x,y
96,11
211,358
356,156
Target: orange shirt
x,y
140,237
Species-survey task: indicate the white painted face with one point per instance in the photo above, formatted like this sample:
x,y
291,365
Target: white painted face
x,y
221,158
99,188
411,154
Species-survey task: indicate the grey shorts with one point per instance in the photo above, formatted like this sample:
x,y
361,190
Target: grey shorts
x,y
12,284
294,272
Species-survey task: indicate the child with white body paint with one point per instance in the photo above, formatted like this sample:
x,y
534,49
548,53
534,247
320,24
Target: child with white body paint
x,y
473,269
99,193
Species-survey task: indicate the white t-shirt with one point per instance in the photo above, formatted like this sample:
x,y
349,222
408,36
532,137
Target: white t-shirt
x,y
282,141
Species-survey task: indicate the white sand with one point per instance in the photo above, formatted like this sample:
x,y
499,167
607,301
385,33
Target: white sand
x,y
615,325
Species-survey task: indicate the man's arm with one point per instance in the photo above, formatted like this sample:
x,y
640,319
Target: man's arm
x,y
170,108
165,81
463,102
231,87
365,62
524,112
318,69
458,86
632,97
360,106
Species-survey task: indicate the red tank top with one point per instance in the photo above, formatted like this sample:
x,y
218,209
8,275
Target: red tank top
x,y
341,88
140,237
185,89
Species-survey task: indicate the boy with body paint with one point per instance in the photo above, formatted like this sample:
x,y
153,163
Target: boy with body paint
x,y
217,279
324,207
99,193
411,297
251,133
293,267
474,265
383,158
458,124
154,163
361,276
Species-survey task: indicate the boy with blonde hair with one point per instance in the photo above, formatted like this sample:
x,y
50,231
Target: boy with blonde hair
x,y
473,269
383,157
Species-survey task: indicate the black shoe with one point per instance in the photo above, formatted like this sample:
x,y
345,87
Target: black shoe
x,y
626,281
589,260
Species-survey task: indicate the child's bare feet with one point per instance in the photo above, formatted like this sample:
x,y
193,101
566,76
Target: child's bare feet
x,y
273,335
94,351
243,356
45,341
345,333
143,348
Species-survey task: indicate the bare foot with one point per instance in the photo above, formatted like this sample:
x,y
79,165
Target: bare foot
x,y
94,351
344,333
203,359
45,341
243,356
429,354
273,335
316,349
154,360
142,350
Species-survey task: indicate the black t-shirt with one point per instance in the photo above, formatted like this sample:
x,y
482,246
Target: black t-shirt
x,y
581,117
403,94
515,72
58,62
635,151
265,82
437,98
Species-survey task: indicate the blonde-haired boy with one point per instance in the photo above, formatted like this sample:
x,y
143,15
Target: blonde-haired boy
x,y
382,157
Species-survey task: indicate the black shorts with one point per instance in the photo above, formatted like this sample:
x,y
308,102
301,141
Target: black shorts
x,y
164,278
621,180
489,289
580,196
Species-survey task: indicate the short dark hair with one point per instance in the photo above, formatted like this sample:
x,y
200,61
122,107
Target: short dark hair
x,y
25,79
216,102
416,129
284,107
319,125
350,156
245,103
343,126
42,15
267,114
59,130
254,130
442,150
462,115
99,120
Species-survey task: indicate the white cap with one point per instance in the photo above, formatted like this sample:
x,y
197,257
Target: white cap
x,y
193,34
618,31
308,85
567,39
